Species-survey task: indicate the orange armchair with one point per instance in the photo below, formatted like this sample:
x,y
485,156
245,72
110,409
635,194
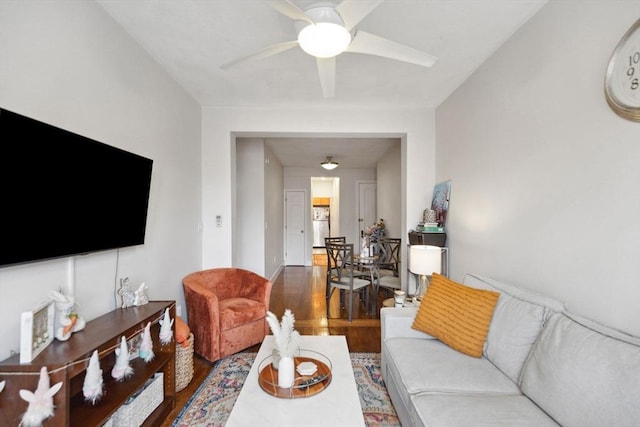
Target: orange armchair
x,y
226,309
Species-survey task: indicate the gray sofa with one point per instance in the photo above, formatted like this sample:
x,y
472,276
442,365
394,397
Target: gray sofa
x,y
541,366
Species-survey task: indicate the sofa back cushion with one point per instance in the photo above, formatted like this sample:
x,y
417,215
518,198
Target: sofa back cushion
x,y
584,374
517,321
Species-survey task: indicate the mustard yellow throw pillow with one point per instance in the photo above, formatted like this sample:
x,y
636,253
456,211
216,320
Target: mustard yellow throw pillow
x,y
456,314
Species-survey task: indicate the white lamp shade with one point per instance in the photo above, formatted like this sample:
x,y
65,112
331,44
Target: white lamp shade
x,y
425,260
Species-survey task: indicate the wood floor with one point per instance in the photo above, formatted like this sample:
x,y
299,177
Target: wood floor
x,y
302,290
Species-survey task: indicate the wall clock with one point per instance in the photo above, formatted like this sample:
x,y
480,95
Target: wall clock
x,y
622,81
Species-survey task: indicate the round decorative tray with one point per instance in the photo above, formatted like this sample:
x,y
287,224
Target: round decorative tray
x,y
303,385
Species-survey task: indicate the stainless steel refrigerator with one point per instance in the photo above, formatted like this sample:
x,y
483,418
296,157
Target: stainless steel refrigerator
x,y
321,227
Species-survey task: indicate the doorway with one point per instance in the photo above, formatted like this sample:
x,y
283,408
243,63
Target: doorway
x,y
325,201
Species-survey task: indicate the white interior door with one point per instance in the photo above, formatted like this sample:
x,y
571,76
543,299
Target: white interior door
x,y
367,192
295,223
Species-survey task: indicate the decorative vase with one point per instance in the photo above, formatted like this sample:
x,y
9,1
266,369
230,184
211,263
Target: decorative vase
x,y
275,358
286,372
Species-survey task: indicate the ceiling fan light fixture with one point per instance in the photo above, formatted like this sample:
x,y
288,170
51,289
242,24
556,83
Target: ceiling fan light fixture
x,y
329,164
324,39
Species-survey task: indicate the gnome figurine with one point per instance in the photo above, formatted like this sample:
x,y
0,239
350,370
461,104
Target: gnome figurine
x,y
121,369
165,330
92,388
146,346
40,402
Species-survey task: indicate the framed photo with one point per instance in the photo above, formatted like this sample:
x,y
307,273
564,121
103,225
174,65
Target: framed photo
x,y
36,331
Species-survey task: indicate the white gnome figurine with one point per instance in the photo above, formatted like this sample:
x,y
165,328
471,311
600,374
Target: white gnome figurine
x,y
40,402
121,369
146,346
1,386
92,387
165,330
67,319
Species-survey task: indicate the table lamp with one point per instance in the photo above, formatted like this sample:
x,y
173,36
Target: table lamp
x,y
424,260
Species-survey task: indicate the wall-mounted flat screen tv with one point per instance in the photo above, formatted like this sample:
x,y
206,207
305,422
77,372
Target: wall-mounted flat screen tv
x,y
64,194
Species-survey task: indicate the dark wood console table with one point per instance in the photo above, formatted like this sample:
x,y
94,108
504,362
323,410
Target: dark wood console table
x,y
67,361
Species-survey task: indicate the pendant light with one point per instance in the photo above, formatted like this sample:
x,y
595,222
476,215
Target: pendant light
x,y
329,164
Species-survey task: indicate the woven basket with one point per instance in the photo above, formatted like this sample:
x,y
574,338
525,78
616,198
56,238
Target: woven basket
x,y
141,404
184,364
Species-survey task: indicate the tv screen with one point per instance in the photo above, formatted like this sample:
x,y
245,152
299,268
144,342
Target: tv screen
x,y
64,194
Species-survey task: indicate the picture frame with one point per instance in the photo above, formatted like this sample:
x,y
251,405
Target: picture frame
x,y
440,201
36,331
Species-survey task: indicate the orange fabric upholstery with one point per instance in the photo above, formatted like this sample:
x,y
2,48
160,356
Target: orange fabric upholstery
x,y
226,309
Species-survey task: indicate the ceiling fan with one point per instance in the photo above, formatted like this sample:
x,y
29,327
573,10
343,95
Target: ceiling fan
x,y
325,31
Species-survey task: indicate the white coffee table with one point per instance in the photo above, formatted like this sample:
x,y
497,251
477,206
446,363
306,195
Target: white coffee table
x,y
337,405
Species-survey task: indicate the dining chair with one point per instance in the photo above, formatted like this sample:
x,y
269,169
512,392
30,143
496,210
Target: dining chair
x,y
389,264
331,268
345,277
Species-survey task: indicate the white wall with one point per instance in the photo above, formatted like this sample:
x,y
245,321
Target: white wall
x,y
68,64
221,125
389,192
544,175
274,215
250,200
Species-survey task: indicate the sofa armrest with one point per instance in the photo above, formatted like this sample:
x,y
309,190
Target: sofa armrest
x,y
396,322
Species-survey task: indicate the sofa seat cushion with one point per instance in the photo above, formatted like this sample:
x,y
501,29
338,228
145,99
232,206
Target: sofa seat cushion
x,y
584,374
460,410
428,365
518,319
239,311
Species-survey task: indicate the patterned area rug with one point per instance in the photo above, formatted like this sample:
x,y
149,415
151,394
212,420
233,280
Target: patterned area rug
x,y
211,404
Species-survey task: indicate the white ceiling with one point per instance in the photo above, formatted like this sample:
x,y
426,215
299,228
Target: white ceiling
x,y
191,39
356,153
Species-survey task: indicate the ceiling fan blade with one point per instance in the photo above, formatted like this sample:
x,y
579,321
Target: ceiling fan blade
x,y
289,9
262,53
371,44
327,73
354,11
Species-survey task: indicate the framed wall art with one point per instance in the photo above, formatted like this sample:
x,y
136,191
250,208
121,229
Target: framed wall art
x,y
36,331
440,201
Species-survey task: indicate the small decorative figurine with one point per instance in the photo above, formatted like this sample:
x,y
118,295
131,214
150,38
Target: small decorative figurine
x,y
165,330
141,297
40,402
121,369
125,292
1,386
92,388
67,319
146,346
